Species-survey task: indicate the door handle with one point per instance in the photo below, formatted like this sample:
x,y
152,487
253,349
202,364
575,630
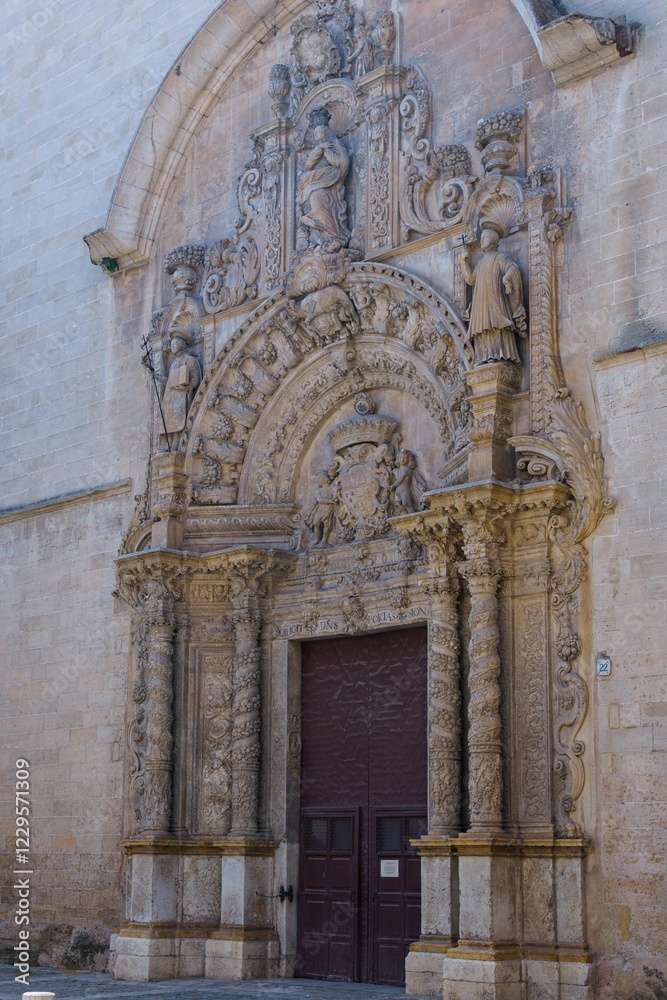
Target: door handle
x,y
374,897
353,895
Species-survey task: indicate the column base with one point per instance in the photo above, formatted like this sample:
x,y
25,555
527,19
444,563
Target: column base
x,y
243,953
483,979
503,975
149,959
423,965
560,980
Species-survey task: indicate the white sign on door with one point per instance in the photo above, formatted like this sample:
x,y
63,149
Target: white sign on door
x,y
389,869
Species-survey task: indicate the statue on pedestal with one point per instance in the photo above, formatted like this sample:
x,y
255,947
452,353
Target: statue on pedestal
x,y
321,193
497,310
182,383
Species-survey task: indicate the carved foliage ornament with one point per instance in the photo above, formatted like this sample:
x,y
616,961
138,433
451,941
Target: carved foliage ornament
x,y
373,302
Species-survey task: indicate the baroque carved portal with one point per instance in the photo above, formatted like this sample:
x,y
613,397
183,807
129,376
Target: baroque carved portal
x,y
339,445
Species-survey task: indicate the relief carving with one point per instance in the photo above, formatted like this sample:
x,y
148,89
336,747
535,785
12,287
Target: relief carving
x,y
216,775
321,190
231,269
435,182
533,713
368,480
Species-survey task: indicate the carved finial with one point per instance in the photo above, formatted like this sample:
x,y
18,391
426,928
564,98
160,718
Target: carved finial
x,y
279,89
363,404
497,138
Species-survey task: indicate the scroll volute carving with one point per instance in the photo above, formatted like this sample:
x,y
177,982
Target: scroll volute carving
x,y
435,182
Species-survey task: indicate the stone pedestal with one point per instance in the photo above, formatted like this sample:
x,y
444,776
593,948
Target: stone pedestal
x,y
173,904
492,388
246,945
440,895
169,502
486,964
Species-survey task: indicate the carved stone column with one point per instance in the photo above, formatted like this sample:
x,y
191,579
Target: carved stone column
x,y
444,705
246,729
481,569
439,929
151,737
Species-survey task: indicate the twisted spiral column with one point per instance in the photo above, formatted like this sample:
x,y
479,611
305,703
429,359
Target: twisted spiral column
x,y
482,572
246,744
444,723
158,681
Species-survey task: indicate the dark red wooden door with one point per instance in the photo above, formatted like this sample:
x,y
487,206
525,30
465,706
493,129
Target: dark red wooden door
x,y
363,703
396,894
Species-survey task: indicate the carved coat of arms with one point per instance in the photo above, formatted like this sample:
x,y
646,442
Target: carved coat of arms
x,y
367,482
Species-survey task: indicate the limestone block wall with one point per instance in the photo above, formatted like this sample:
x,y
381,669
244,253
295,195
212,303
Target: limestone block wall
x,y
629,595
77,79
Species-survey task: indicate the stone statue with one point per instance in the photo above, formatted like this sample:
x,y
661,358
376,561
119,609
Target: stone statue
x,y
321,193
322,514
182,382
362,54
497,310
406,479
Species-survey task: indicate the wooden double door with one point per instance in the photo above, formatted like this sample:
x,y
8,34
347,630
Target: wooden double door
x,y
363,799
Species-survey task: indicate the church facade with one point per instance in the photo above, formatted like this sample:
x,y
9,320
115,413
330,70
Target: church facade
x,y
382,689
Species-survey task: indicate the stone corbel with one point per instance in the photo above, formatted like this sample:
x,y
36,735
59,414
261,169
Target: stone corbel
x,y
577,45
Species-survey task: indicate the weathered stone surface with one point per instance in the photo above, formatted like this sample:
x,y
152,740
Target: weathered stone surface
x,y
301,297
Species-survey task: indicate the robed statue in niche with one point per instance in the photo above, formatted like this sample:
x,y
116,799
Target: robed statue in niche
x,y
323,222
497,312
182,382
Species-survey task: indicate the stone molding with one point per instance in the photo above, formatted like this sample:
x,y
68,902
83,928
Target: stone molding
x,y
67,500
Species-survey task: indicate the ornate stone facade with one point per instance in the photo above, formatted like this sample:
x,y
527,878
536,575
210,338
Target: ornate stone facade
x,y
359,419
367,448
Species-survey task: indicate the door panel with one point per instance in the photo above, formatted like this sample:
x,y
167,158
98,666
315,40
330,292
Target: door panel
x,y
328,927
364,763
396,893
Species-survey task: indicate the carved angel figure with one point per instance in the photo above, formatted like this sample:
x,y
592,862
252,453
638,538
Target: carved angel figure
x,y
322,194
362,54
497,310
182,382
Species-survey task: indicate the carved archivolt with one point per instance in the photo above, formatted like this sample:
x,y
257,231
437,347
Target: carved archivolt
x,y
294,361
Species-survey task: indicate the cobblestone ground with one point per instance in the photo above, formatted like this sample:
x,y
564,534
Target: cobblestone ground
x,y
99,986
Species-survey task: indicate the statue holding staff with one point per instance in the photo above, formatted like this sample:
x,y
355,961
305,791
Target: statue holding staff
x,y
497,312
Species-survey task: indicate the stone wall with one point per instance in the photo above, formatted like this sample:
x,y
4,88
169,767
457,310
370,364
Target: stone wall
x,y
75,409
77,80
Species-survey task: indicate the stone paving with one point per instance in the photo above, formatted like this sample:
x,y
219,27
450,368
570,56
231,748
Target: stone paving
x,y
100,986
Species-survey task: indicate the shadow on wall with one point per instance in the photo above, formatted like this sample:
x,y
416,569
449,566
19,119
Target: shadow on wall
x,y
620,981
63,947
